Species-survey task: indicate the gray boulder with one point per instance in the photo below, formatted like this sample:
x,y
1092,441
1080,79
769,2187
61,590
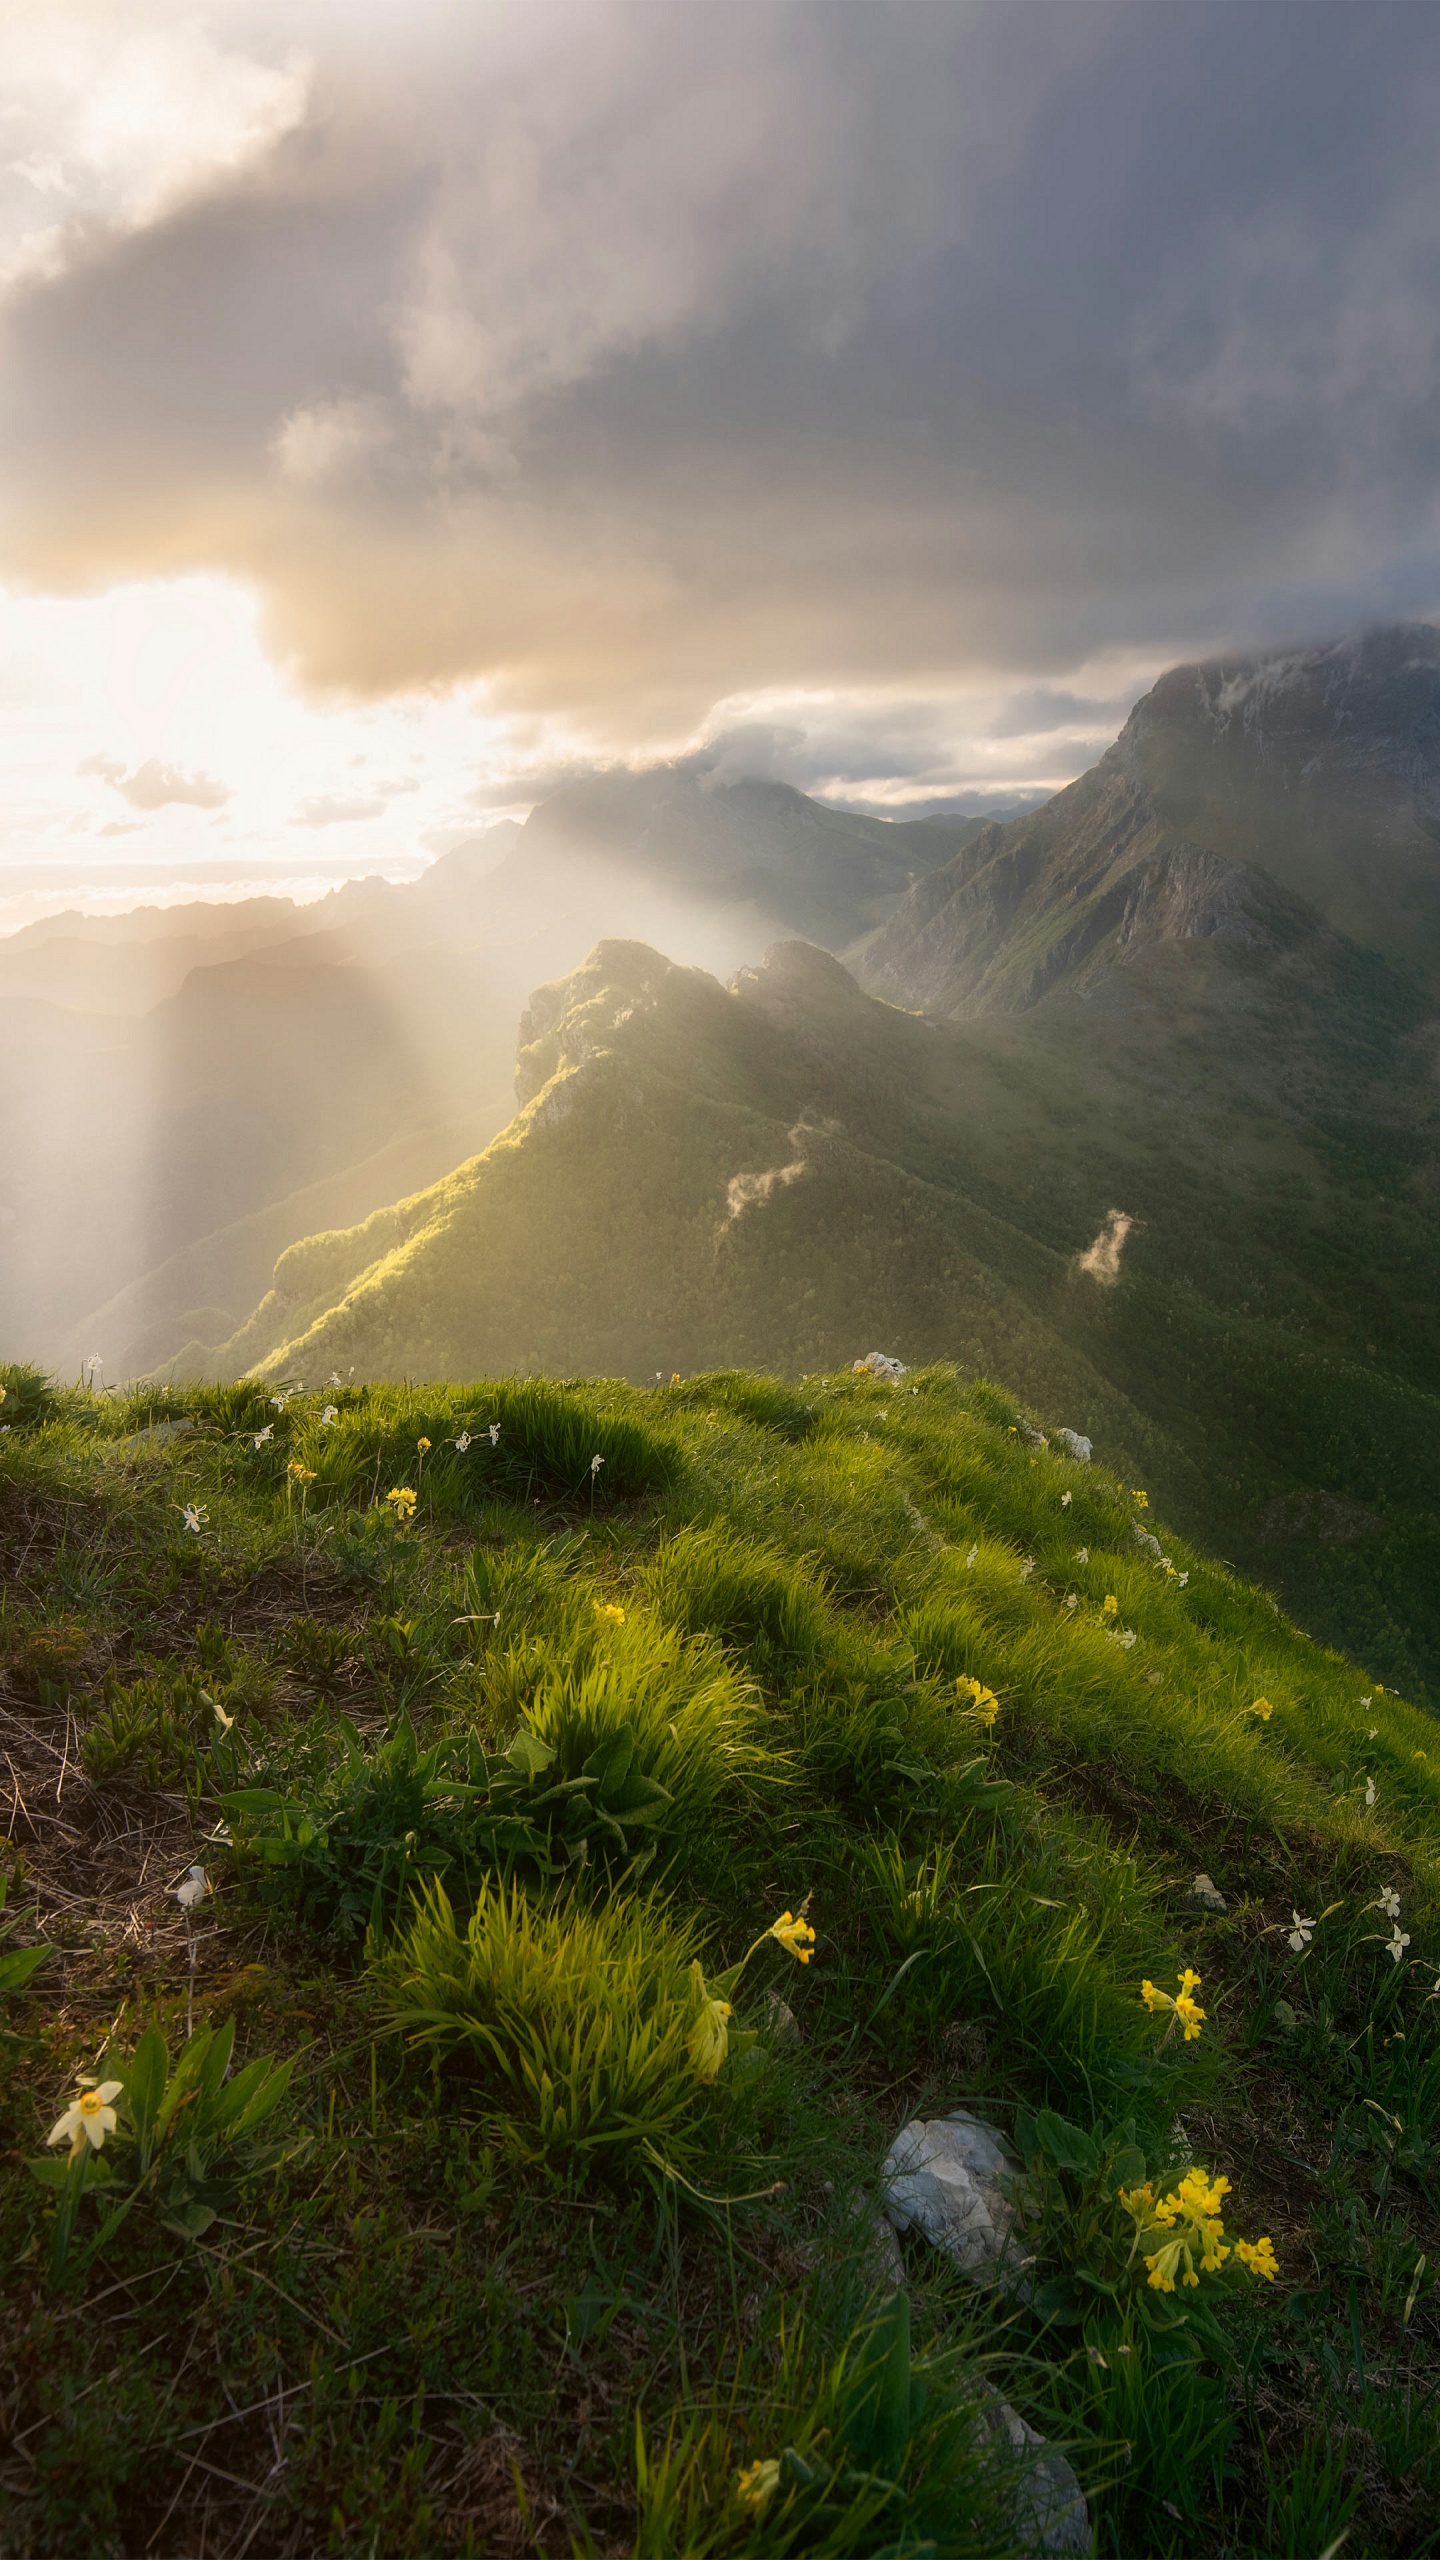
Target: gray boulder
x,y
1048,2501
1075,1444
942,2179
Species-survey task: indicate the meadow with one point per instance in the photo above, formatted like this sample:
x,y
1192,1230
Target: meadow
x,y
496,1866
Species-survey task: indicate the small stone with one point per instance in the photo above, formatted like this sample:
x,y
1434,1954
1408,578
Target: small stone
x,y
1076,1444
1049,2504
1205,1895
781,2024
1150,1544
880,1365
943,2180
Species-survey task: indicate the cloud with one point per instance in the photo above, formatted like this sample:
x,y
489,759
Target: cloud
x,y
154,785
631,359
334,811
1102,1258
756,1190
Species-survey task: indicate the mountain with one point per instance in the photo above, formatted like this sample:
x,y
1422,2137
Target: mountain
x,y
1260,802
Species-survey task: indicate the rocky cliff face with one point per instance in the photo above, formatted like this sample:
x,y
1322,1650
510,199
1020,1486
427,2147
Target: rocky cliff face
x,y
1265,802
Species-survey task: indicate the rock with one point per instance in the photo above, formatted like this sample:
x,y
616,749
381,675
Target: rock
x,y
1077,1445
1148,1543
880,1365
156,1435
1049,2504
781,2023
1032,1438
943,2180
1205,1896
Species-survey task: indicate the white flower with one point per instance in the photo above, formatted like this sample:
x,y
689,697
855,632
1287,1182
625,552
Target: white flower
x,y
1072,1599
194,1888
194,1515
595,1466
1303,1931
1124,1636
334,1379
88,2118
279,1402
1388,1902
1065,1501
1082,1555
1027,1568
494,1433
463,1443
224,1722
1365,1702
1396,1943
329,1417
1183,1579
267,1434
1369,1790
1370,1736
971,1558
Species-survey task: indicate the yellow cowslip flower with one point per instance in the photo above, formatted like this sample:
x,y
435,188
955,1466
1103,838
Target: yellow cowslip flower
x,y
709,2039
422,1446
1263,1709
1259,2256
612,1615
796,1936
1110,1606
987,1705
401,1498
1184,2006
756,2485
87,2119
298,1474
1142,1498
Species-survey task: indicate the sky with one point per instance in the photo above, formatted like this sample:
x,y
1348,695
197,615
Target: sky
x,y
408,404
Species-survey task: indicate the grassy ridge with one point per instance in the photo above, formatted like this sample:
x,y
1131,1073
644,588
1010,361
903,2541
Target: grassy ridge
x,y
499,1765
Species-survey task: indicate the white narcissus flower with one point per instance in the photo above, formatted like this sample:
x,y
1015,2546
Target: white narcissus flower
x,y
1302,1933
1027,1568
595,1466
971,1557
329,1417
1396,1943
1369,1790
1065,1501
194,1888
1387,1901
262,1436
194,1515
463,1443
494,1433
88,2118
1072,1599
1082,1555
1183,1579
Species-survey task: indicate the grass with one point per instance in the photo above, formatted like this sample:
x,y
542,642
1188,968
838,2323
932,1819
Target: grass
x,y
562,2222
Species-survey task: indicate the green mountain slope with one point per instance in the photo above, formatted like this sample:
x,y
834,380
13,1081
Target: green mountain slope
x,y
792,1172
590,1823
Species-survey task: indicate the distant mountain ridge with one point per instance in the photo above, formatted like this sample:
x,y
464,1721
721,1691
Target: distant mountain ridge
x,y
1263,801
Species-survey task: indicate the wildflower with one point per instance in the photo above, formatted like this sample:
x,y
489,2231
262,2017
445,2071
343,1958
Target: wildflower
x,y
329,1417
279,1402
1365,1702
1072,1599
401,1498
1263,1709
88,2118
194,1515
494,1433
1184,2006
334,1378
463,1443
300,1475
1065,1501
595,1466
1082,1555
1388,1902
1111,1606
1397,1942
971,1558
1369,1790
987,1705
1370,1736
1142,1498
267,1434
755,2486
1027,1568
1259,2256
1182,1579
422,1446
1302,1933
1123,1635
224,1721
193,1890
796,1936
709,2039
610,1612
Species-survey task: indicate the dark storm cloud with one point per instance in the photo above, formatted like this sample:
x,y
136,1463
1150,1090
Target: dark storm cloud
x,y
635,356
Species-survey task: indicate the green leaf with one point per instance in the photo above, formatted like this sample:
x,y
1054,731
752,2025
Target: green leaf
x,y
1127,2169
1066,2145
17,1967
529,1754
144,2082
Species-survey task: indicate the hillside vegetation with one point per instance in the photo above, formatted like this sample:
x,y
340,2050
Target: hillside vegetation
x,y
423,1798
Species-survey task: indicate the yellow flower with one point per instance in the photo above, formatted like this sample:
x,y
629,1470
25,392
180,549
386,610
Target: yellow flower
x,y
1184,2006
1111,1605
1142,1498
796,1936
1263,1709
756,2486
401,1498
1259,2256
88,2118
709,2039
299,1474
422,1446
987,1705
613,1616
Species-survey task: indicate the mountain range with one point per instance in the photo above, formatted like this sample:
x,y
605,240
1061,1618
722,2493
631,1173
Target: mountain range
x,y
1130,1101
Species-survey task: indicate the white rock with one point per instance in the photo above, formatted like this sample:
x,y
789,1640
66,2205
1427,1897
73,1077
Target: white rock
x,y
1049,2503
1150,1545
1204,1895
943,2180
880,1365
1077,1444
